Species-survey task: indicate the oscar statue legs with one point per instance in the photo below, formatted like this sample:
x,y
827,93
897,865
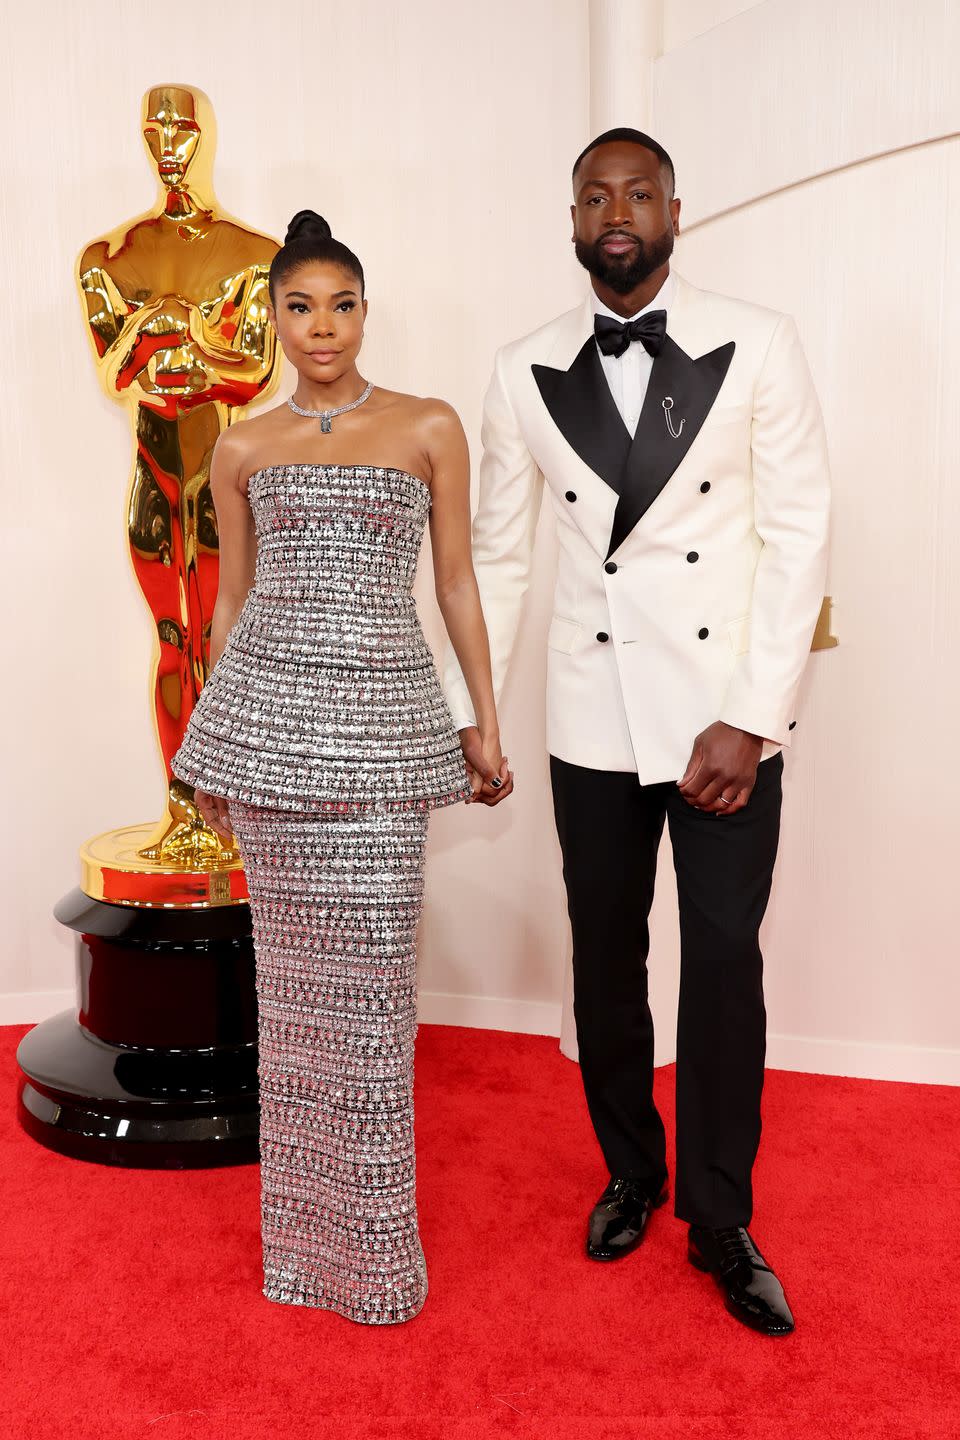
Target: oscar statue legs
x,y
610,827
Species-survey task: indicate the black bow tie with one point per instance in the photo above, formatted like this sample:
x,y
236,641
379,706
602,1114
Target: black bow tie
x,y
614,337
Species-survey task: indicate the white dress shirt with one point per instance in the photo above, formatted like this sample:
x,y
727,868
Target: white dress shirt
x,y
628,375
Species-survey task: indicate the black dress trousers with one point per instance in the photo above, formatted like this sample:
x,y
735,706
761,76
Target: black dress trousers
x,y
610,827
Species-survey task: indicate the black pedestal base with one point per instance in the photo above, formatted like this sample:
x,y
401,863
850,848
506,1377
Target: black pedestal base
x,y
159,1068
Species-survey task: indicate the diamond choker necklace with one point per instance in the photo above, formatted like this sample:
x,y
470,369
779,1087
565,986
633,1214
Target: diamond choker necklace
x,y
326,416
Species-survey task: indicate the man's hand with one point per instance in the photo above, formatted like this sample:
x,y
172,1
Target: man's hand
x,y
723,763
490,778
215,812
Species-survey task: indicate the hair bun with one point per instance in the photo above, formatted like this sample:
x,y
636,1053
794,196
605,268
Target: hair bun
x,y
307,223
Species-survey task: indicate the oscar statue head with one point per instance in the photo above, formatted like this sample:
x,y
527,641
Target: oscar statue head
x,y
180,134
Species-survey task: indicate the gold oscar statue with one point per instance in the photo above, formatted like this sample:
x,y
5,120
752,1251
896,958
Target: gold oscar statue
x,y
175,302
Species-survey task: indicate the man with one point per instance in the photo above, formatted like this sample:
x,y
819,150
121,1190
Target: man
x,y
682,446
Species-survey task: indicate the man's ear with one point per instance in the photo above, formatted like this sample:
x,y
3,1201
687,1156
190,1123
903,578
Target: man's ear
x,y
675,215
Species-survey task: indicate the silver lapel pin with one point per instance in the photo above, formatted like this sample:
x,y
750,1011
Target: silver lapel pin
x,y
667,407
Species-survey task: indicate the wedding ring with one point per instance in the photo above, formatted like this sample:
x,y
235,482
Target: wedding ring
x,y
723,800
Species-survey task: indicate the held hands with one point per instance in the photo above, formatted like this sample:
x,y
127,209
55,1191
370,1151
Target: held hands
x,y
215,813
486,767
723,763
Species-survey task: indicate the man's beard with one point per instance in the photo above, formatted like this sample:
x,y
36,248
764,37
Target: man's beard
x,y
623,273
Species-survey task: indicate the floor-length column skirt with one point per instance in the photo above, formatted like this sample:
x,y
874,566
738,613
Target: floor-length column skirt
x,y
335,900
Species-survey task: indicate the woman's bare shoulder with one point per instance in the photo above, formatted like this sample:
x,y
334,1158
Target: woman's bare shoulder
x,y
426,413
240,443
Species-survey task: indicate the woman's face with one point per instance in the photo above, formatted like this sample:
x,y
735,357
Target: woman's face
x,y
319,319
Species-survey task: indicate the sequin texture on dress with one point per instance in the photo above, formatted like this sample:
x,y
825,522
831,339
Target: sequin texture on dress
x,y
326,691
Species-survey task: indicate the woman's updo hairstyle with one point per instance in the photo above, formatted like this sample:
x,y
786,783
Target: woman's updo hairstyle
x,y
310,239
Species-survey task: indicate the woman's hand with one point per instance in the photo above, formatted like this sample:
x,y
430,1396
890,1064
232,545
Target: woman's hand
x,y
215,812
490,777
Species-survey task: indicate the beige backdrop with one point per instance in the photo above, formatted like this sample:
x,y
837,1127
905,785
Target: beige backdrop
x,y
438,141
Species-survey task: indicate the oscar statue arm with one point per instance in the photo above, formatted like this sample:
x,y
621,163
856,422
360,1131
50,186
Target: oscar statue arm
x,y
233,331
110,316
126,331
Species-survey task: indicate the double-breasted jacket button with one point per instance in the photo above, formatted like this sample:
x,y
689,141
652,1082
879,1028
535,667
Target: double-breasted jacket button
x,y
792,725
602,636
611,567
702,634
704,487
571,495
693,557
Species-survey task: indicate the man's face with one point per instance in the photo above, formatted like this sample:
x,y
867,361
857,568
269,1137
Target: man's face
x,y
624,216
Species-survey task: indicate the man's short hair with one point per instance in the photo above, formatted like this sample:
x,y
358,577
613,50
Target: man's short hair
x,y
635,137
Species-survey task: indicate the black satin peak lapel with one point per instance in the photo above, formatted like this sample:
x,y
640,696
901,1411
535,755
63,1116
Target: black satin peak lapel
x,y
586,414
664,435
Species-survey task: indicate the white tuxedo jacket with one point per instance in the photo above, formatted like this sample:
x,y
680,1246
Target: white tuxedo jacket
x,y
692,556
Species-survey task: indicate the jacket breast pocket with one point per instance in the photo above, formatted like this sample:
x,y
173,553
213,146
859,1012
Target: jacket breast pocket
x,y
739,633
563,634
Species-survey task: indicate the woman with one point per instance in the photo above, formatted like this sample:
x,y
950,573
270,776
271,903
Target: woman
x,y
322,740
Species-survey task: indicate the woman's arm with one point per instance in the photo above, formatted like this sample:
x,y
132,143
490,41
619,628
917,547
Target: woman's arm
x,y
238,559
238,540
458,596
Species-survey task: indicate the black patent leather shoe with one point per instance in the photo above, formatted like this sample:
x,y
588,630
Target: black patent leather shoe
x,y
752,1291
619,1218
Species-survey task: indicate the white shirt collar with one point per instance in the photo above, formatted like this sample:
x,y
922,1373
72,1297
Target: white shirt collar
x,y
661,301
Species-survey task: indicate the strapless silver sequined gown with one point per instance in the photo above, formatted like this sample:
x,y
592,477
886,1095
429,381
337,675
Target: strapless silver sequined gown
x,y
326,691
324,725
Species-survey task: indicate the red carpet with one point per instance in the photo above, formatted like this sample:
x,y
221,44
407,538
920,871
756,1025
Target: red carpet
x,y
133,1298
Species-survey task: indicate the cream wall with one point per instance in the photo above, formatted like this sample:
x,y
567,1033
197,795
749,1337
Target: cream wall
x,y
441,150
